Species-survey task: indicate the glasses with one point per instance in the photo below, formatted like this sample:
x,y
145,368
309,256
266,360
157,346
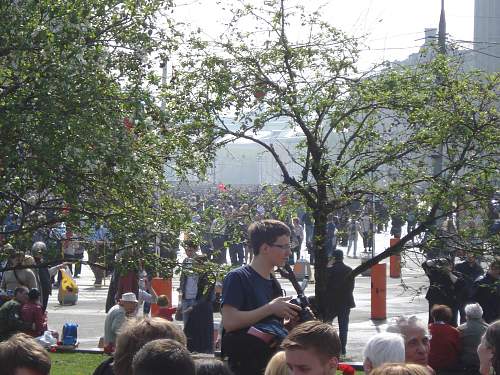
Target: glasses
x,y
282,247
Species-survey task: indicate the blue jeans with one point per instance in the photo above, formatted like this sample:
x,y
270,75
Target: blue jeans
x,y
343,319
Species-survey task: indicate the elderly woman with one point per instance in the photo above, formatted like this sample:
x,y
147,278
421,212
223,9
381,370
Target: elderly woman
x,y
383,348
445,340
470,336
489,350
416,338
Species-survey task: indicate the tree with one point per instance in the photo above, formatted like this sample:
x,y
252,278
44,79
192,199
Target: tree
x,y
365,134
82,135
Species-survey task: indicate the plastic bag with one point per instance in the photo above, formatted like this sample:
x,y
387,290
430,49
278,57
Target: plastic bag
x,y
68,283
47,340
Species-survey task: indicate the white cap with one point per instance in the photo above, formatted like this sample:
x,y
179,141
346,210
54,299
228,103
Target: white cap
x,y
128,297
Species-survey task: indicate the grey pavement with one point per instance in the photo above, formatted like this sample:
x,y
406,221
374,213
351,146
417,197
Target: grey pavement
x,y
402,299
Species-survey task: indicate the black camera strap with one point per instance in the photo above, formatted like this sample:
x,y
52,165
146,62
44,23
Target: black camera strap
x,y
288,274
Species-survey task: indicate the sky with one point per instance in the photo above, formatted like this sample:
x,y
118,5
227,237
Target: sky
x,y
391,29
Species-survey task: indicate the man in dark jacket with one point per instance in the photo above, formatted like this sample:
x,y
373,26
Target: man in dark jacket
x,y
342,299
487,292
471,270
447,287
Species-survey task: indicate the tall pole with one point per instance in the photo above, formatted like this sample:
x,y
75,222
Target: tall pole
x,y
438,157
163,65
442,31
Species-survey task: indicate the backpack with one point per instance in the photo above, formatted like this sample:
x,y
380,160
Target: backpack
x,y
70,334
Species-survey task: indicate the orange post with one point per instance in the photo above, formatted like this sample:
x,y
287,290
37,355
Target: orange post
x,y
161,286
394,261
379,292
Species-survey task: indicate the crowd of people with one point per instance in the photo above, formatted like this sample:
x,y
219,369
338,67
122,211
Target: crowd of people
x,y
263,332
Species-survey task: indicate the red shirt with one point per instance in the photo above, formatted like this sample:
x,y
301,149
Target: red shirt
x,y
33,313
166,312
445,346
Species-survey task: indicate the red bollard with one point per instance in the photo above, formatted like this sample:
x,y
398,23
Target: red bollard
x,y
394,261
379,292
161,286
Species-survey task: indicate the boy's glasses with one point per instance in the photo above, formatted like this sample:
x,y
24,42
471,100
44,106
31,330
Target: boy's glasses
x,y
282,247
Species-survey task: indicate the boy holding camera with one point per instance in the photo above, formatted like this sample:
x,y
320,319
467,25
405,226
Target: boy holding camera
x,y
253,308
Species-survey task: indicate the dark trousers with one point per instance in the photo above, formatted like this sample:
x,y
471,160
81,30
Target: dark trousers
x,y
237,254
343,318
45,299
219,252
247,355
96,255
78,265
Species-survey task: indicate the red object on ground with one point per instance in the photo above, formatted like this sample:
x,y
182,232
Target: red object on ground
x,y
346,369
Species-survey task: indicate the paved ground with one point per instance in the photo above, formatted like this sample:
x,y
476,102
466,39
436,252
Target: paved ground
x,y
89,311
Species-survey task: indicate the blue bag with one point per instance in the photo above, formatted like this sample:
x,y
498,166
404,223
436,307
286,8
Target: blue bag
x,y
70,334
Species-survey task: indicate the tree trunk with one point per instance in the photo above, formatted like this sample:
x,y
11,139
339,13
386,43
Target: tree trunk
x,y
321,258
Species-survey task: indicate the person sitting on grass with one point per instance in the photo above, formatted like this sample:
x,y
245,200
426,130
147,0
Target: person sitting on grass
x,y
10,314
22,355
32,313
116,316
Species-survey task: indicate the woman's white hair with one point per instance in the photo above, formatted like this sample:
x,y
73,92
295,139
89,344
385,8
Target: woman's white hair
x,y
385,347
402,324
473,311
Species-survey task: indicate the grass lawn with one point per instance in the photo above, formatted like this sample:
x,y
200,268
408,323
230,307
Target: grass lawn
x,y
83,364
75,363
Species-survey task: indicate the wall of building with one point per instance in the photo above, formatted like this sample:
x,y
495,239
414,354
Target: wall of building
x,y
487,35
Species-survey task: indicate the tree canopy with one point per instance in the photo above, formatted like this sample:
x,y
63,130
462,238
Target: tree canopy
x,y
366,134
82,134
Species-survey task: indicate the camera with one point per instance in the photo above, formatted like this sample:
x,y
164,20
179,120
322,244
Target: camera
x,y
304,313
438,263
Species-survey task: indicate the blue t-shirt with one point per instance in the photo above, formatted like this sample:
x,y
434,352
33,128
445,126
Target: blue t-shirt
x,y
246,290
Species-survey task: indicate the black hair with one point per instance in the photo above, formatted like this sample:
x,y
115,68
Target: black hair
x,y
33,294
